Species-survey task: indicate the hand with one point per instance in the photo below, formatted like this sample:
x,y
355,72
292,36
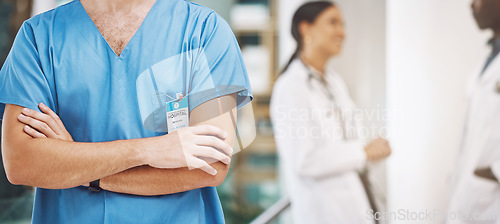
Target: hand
x,y
189,147
377,149
43,125
485,173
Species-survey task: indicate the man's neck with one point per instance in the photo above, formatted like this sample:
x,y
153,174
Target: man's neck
x,y
496,34
496,31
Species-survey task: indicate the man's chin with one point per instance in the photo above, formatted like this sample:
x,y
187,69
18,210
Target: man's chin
x,y
483,27
482,24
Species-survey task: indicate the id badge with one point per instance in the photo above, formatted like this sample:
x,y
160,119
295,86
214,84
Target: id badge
x,y
177,114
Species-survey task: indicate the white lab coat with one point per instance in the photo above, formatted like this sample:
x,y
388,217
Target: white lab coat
x,y
475,199
318,165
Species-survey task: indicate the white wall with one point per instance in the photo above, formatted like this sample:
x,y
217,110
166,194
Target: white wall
x,y
286,47
362,61
432,47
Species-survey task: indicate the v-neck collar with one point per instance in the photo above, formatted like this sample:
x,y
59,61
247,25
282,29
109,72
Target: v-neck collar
x,y
126,49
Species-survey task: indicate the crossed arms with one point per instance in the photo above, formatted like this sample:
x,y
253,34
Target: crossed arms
x,y
148,166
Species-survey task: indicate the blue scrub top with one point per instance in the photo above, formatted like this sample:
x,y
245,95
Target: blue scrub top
x,y
61,59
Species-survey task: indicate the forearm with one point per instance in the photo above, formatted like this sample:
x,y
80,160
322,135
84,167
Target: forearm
x,y
149,181
57,164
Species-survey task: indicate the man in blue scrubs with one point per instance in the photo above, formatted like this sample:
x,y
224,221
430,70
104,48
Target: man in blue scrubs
x,y
108,68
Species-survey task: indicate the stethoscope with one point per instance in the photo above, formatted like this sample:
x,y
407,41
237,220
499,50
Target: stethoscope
x,y
348,125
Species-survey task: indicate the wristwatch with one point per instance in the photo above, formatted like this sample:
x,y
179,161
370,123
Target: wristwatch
x,y
94,186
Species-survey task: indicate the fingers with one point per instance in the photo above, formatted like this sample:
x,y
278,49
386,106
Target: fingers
x,y
51,113
388,150
378,149
209,130
385,148
44,118
210,152
381,152
33,133
200,164
42,127
214,143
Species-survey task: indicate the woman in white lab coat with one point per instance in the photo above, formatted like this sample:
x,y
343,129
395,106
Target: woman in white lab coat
x,y
315,124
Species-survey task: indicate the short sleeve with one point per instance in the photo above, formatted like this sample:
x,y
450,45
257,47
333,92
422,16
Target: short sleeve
x,y
22,80
218,69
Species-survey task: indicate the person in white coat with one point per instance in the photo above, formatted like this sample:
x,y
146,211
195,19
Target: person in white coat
x,y
315,126
475,196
